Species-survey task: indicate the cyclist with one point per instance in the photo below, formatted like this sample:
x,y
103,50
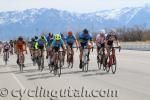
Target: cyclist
x,y
20,47
40,45
32,45
1,46
6,48
70,40
11,45
84,38
111,41
63,37
100,41
49,39
55,46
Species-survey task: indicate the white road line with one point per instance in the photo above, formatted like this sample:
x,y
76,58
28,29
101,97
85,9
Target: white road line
x,y
20,84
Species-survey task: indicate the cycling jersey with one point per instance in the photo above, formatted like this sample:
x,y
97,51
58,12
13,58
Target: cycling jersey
x,y
49,40
57,44
20,45
84,39
32,44
100,39
110,39
70,39
6,47
40,44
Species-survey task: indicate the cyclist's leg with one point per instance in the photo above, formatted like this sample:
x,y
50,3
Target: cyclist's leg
x,y
98,48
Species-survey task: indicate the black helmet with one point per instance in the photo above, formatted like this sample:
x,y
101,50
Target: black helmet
x,y
20,38
50,34
36,37
32,39
85,31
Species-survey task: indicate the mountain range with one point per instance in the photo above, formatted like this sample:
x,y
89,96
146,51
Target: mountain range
x,y
35,21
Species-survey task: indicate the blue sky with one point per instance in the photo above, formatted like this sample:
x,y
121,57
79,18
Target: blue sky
x,y
81,6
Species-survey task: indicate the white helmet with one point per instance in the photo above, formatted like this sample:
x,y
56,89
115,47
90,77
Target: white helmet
x,y
102,31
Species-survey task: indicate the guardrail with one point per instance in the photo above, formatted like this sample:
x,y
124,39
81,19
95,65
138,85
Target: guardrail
x,y
136,46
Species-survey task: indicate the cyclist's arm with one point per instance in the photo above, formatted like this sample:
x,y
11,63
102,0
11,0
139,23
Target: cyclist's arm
x,y
77,44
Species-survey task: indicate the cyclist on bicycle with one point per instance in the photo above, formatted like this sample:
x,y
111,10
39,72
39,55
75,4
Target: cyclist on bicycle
x,y
32,45
11,45
49,39
20,47
40,44
111,41
6,47
100,41
63,37
56,45
70,40
1,46
84,38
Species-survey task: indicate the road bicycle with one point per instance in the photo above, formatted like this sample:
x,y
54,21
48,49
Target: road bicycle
x,y
111,61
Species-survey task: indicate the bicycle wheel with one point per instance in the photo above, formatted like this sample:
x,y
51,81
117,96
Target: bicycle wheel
x,y
42,63
21,63
5,58
59,68
55,70
104,62
107,65
39,62
86,67
114,65
99,62
83,67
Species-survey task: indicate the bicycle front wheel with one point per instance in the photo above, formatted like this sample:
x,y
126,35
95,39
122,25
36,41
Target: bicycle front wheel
x,y
114,65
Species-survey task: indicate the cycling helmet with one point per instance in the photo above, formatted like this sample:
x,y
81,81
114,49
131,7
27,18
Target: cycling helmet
x,y
70,33
42,37
62,35
57,37
20,38
102,32
36,37
32,39
50,35
85,31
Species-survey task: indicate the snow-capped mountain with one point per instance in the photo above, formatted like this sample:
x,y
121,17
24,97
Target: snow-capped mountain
x,y
33,21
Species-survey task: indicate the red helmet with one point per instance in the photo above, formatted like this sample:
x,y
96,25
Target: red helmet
x,y
70,33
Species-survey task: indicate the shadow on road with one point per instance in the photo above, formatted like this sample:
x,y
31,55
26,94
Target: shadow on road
x,y
95,74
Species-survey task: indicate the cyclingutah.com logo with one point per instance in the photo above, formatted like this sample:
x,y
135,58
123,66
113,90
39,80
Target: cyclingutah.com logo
x,y
40,92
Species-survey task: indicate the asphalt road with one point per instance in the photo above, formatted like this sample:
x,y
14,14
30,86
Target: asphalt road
x,y
131,81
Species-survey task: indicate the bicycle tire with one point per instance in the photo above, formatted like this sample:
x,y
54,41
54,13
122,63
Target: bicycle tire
x,y
107,65
87,67
114,66
42,63
39,63
59,69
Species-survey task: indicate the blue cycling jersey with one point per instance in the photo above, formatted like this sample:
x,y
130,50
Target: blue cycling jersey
x,y
49,40
57,44
84,38
70,39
